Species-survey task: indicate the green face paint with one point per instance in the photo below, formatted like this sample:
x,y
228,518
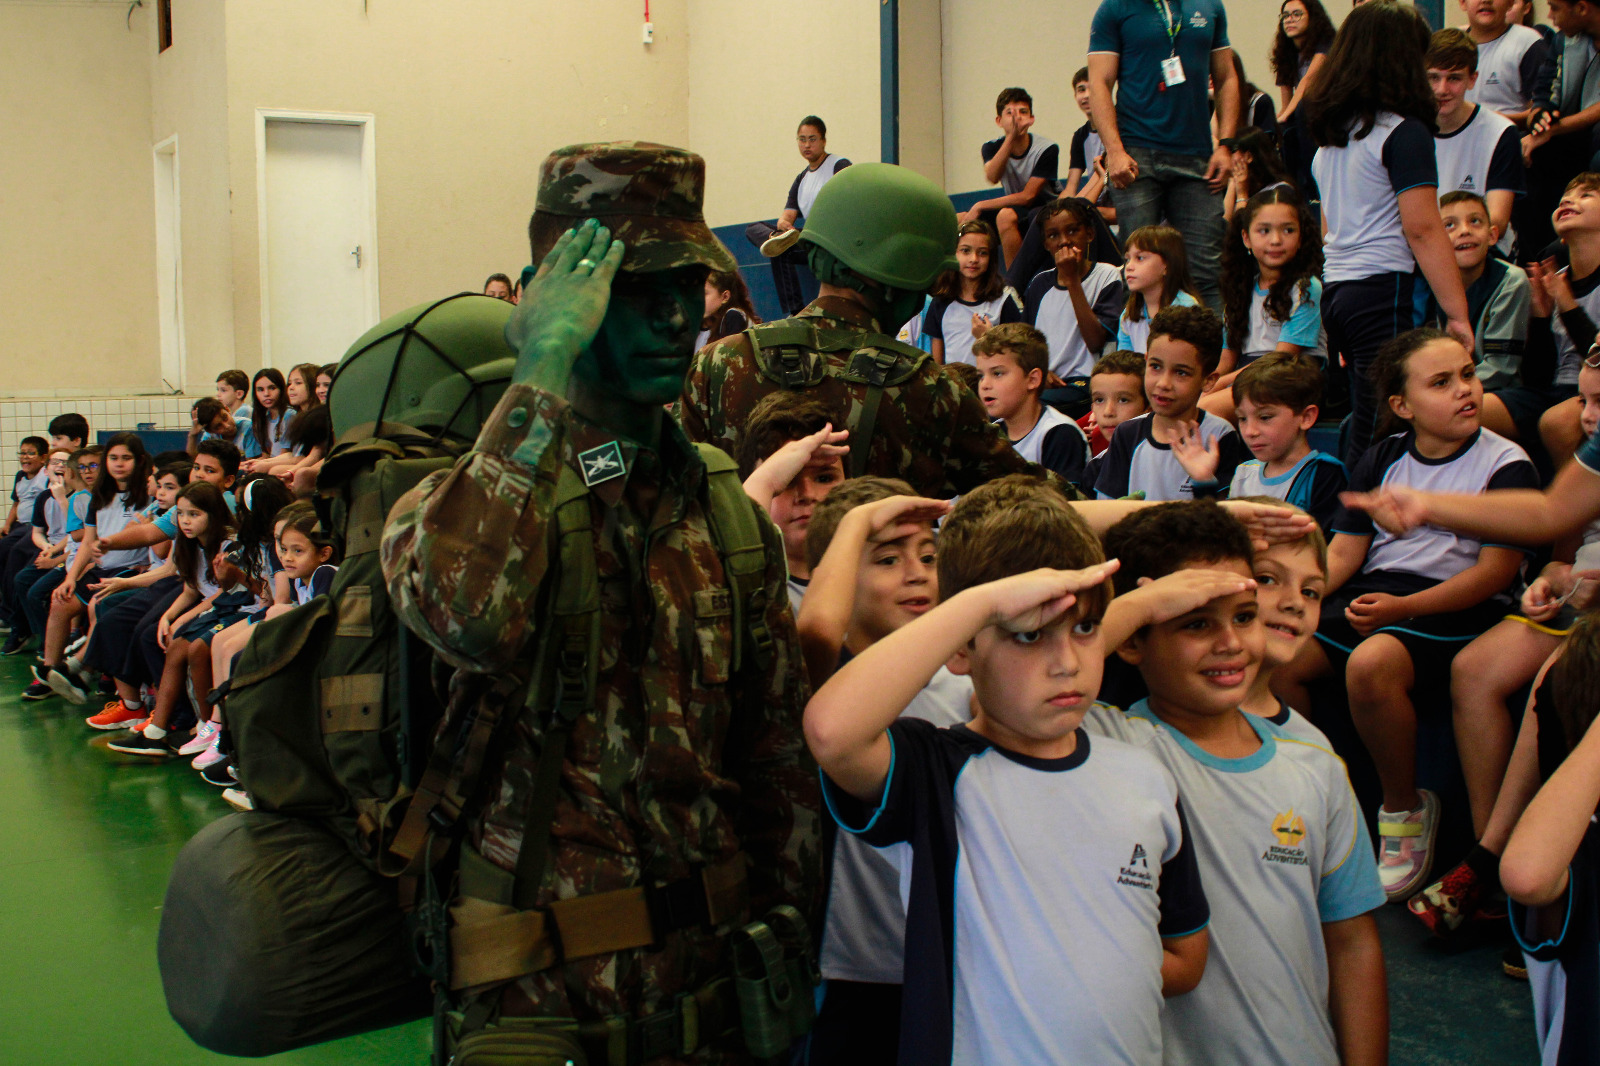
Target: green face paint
x,y
647,337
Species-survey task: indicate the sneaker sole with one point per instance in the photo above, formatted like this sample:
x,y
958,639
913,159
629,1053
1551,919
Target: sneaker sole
x,y
31,698
63,688
151,753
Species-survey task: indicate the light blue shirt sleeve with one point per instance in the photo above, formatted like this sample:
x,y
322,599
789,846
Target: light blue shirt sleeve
x,y
1305,321
168,523
1589,454
77,511
1124,338
248,448
1352,888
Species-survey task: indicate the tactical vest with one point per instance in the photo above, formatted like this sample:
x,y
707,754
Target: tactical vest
x,y
793,352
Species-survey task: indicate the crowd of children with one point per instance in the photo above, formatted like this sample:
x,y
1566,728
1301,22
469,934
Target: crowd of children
x,y
136,578
1376,348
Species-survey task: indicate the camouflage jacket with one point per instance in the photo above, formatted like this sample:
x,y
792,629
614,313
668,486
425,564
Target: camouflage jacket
x,y
680,763
930,431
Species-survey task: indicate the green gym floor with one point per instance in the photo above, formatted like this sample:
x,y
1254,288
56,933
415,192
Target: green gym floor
x,y
87,837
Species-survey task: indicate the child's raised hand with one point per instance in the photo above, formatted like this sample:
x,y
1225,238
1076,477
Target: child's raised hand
x,y
1543,305
1025,602
1070,257
1269,525
1371,612
980,326
900,516
784,465
1396,508
1178,593
1556,283
1198,457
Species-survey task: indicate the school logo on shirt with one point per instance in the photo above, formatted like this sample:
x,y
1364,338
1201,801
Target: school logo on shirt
x,y
1289,829
1197,20
1467,184
1492,79
1137,873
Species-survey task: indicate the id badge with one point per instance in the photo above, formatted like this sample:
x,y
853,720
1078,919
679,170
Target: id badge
x,y
1172,71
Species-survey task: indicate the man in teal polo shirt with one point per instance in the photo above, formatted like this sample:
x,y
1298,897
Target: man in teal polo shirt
x,y
1157,135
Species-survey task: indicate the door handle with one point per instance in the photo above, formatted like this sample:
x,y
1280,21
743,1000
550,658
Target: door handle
x,y
357,254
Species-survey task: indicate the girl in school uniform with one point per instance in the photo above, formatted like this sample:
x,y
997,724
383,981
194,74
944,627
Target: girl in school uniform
x,y
970,298
1372,116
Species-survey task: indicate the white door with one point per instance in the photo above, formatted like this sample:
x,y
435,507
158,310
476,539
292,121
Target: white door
x,y
169,265
319,265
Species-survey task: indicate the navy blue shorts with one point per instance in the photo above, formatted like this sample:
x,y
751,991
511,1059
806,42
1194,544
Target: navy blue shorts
x,y
1431,640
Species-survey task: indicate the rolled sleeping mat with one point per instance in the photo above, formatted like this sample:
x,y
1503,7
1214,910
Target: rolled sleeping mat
x,y
273,936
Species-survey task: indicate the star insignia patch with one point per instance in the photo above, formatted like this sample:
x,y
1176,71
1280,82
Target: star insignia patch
x,y
602,463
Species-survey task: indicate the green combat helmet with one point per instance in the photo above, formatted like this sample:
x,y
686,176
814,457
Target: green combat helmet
x,y
886,223
438,367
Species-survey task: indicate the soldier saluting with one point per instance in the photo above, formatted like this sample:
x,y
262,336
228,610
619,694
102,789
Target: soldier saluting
x,y
876,239
586,549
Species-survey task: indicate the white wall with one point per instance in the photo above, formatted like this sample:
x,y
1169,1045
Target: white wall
x,y
77,200
756,68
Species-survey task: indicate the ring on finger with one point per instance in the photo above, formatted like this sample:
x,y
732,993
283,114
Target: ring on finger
x,y
587,264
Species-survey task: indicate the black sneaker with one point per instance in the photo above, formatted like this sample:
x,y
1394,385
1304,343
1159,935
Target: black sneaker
x,y
107,687
139,744
16,643
38,691
220,774
67,686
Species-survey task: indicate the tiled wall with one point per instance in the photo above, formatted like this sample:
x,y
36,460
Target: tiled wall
x,y
24,418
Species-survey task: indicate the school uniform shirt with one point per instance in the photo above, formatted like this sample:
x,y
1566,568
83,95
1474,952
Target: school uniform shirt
x,y
1482,155
1303,326
25,492
806,185
77,518
150,514
732,321
1291,723
50,517
1137,462
1359,185
1134,335
167,522
111,519
1049,309
864,931
797,593
1042,159
1508,66
1313,484
277,441
1057,443
1151,114
321,581
1499,305
1086,147
265,558
1569,355
1484,461
1283,846
1031,877
949,319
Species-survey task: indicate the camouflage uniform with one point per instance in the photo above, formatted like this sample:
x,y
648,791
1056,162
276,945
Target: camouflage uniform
x,y
930,431
679,763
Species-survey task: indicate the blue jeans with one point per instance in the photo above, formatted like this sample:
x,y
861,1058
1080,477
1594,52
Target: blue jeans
x,y
1172,188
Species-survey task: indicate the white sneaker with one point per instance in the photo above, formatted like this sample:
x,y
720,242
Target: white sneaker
x,y
201,740
76,646
238,799
779,243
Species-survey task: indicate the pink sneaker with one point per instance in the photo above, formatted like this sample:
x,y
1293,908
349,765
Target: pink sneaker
x,y
201,740
211,756
1405,849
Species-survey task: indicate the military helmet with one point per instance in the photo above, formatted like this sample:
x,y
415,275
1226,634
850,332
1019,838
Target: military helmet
x,y
886,223
438,367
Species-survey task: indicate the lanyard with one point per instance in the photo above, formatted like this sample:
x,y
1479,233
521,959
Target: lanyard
x,y
1167,23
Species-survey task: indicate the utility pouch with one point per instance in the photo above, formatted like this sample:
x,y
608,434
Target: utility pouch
x,y
773,977
521,1042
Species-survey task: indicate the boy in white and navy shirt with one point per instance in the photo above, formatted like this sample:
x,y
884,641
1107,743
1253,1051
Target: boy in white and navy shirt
x,y
1177,451
1050,862
1011,363
1280,840
1509,58
1476,149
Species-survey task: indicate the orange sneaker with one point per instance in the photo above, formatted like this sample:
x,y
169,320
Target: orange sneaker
x,y
114,716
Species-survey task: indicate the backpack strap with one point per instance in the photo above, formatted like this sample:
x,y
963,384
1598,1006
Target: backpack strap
x,y
736,529
783,352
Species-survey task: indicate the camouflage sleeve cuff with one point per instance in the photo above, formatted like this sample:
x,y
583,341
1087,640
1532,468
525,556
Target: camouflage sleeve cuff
x,y
523,425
